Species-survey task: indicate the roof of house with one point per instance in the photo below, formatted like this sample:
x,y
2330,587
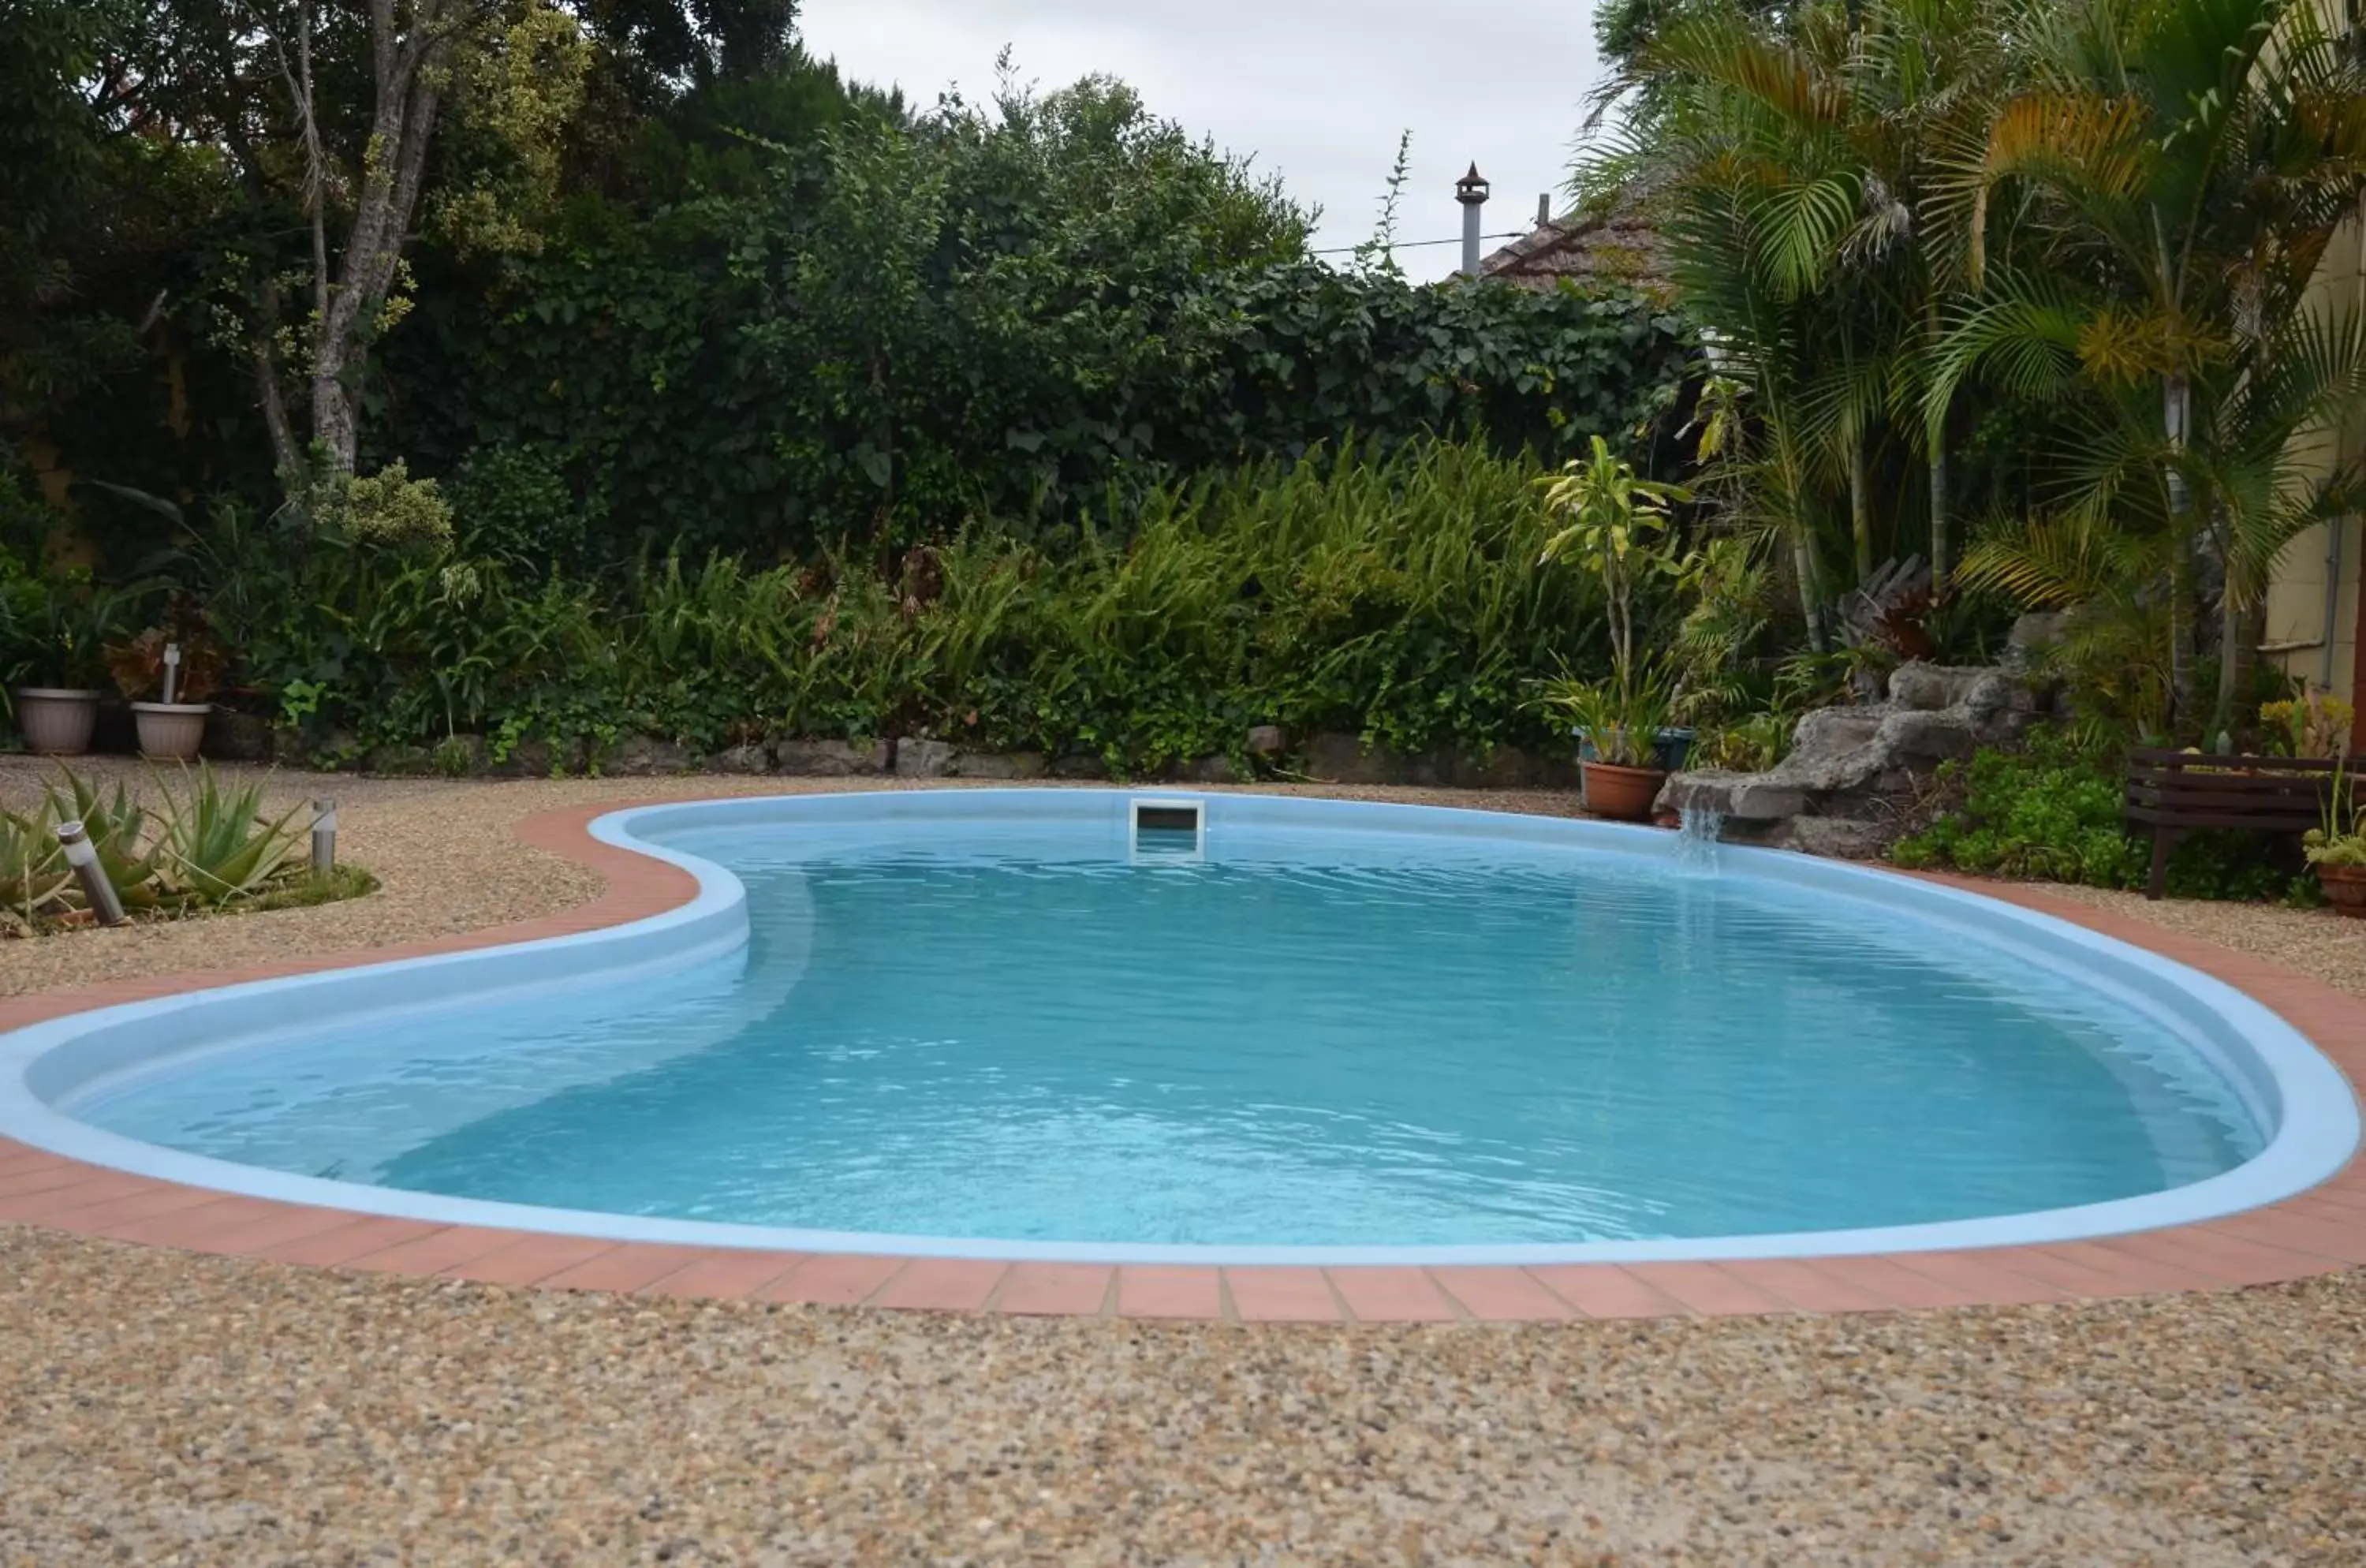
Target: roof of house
x,y
1616,246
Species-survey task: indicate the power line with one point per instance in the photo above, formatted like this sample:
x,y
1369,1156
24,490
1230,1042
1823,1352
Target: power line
x,y
1410,244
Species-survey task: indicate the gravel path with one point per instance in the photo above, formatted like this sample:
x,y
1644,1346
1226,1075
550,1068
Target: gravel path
x,y
170,1408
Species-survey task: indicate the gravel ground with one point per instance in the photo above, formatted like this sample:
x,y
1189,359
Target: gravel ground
x,y
2314,941
162,1407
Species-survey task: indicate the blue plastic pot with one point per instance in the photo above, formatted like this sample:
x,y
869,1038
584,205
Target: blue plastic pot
x,y
1669,748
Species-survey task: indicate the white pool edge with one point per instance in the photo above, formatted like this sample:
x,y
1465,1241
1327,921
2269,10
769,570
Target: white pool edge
x,y
2299,1097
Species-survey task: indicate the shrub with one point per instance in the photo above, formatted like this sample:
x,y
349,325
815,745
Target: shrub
x,y
2051,812
511,503
1399,598
388,508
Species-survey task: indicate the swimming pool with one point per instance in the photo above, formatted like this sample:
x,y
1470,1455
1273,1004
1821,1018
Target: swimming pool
x,y
1013,1024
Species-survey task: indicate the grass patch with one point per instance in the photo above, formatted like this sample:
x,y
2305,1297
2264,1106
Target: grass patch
x,y
342,882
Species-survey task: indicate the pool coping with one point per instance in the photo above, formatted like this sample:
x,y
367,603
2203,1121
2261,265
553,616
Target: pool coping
x,y
2321,1230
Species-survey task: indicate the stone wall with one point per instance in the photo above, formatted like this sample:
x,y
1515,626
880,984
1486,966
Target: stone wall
x,y
1265,752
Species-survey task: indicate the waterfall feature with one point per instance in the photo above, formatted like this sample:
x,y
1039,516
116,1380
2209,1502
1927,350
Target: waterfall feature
x,y
1696,840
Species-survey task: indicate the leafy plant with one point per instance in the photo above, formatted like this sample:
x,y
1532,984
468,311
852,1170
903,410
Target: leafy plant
x,y
117,829
2315,724
2345,848
1618,720
218,845
1396,595
2052,812
138,665
33,870
388,509
1618,527
61,641
1747,745
2333,842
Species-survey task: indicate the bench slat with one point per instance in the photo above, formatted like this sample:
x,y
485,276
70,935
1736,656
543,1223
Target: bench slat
x,y
2174,792
2222,819
2269,803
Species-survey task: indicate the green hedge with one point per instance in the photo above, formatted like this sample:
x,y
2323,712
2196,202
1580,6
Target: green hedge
x,y
1401,599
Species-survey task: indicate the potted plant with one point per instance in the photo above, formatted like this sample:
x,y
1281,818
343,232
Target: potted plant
x,y
1619,722
61,635
2315,724
169,672
1619,529
2338,853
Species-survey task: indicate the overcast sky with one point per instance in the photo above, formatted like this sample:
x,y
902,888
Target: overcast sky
x,y
1317,89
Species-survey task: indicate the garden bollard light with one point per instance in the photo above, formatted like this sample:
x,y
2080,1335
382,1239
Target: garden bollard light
x,y
324,836
82,855
172,671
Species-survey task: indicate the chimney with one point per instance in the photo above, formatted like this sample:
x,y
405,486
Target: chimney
x,y
1544,209
1471,190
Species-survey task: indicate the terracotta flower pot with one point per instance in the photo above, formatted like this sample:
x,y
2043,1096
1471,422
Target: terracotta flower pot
x,y
57,721
2345,888
1621,792
171,731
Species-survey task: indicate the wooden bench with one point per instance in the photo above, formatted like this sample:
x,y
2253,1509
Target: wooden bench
x,y
2174,792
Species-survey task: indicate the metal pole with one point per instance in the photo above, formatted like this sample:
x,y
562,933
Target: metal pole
x,y
324,836
82,855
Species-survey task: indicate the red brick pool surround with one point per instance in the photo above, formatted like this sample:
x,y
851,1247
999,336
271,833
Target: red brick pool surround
x,y
2321,1231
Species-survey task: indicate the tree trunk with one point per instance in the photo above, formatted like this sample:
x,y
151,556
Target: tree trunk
x,y
1943,542
404,76
285,451
2176,410
1790,471
1941,537
2240,632
1860,482
1811,587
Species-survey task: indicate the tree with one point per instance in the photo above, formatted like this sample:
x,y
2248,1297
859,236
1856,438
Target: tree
x,y
2176,171
687,44
53,179
419,50
1808,149
326,115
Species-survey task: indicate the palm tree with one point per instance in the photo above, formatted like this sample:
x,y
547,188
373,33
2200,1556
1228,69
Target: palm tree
x,y
1807,150
2175,171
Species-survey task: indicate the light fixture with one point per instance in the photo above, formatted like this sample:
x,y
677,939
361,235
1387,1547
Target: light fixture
x,y
82,855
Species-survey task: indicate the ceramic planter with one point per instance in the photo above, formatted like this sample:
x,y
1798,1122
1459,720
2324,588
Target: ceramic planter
x,y
2345,888
1620,792
57,721
171,731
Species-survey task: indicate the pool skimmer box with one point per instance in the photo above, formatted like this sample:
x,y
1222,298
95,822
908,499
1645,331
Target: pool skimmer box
x,y
1163,829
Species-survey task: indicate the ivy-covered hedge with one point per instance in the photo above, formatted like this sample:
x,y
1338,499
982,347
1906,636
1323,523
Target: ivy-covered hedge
x,y
1027,321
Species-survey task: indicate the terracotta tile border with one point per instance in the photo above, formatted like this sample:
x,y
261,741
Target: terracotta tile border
x,y
2317,1231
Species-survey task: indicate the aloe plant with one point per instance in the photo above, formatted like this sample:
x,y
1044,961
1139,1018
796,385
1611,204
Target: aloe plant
x,y
117,830
218,845
33,870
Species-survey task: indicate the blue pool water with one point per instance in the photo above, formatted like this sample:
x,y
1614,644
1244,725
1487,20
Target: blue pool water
x,y
1324,1039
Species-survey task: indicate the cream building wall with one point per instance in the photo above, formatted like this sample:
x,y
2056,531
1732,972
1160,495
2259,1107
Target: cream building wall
x,y
2325,556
